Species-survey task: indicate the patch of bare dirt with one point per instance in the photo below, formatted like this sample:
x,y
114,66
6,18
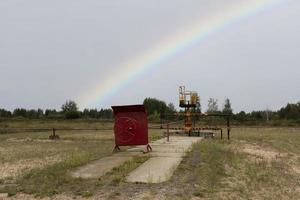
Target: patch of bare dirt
x,y
270,155
48,140
263,153
225,195
148,195
4,150
296,169
28,139
92,136
30,197
14,169
22,196
36,140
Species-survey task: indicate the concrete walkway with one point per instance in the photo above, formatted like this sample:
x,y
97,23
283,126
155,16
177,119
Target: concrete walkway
x,y
100,167
165,158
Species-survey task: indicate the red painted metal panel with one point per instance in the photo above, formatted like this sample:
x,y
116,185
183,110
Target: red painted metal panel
x,y
131,125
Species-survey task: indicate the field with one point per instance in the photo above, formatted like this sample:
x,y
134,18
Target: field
x,y
257,163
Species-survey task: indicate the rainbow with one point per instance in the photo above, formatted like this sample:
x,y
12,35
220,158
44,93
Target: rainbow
x,y
171,46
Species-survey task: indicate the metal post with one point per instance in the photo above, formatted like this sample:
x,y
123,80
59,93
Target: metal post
x,y
221,134
53,136
228,133
161,123
161,118
168,133
228,128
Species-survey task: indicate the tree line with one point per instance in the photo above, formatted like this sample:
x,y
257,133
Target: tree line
x,y
290,112
69,110
157,110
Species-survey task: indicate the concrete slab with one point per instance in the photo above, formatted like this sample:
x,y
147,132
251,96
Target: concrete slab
x,y
167,154
100,167
155,170
128,154
3,195
166,157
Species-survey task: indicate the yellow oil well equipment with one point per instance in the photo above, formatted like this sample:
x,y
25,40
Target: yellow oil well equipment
x,y
187,99
190,101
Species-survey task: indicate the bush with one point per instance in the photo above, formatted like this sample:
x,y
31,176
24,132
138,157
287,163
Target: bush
x,y
72,115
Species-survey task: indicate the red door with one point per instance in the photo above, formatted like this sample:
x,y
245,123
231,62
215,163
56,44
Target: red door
x,y
131,125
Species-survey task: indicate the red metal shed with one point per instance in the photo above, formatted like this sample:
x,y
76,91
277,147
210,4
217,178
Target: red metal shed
x,y
131,126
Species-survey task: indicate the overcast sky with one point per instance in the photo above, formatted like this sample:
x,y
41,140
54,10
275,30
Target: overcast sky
x,y
55,50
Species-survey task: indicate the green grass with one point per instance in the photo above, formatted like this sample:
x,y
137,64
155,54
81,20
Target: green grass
x,y
56,179
155,135
118,174
51,180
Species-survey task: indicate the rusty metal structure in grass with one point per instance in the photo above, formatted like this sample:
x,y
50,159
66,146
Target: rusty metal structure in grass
x,y
131,123
189,100
54,136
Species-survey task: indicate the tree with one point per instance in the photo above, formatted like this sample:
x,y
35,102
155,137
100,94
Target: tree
x,y
91,113
40,113
268,114
5,113
106,113
257,115
70,110
154,106
241,116
50,113
227,107
171,107
290,111
69,106
170,111
212,106
154,117
32,114
198,105
20,112
197,109
72,115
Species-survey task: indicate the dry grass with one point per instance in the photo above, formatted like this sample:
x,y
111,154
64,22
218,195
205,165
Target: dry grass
x,y
51,123
20,149
255,164
31,163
